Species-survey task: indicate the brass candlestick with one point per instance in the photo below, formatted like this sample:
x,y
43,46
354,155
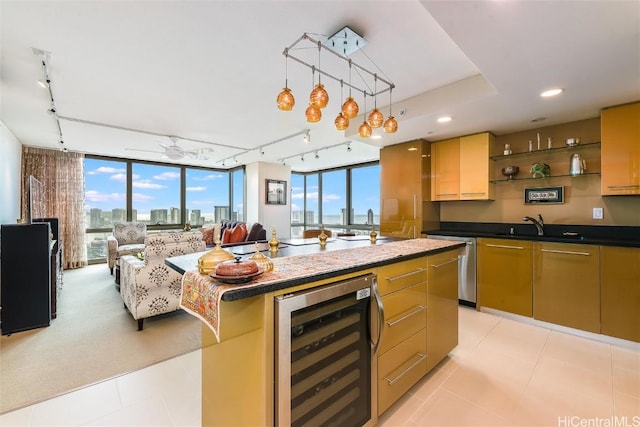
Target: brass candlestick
x,y
373,236
322,237
273,243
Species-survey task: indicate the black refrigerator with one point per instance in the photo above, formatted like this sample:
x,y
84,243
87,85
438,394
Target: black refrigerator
x,y
25,290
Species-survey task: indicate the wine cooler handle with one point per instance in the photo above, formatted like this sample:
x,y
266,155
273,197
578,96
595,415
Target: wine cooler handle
x,y
378,299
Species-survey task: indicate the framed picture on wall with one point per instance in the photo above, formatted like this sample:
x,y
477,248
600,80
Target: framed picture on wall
x,y
275,192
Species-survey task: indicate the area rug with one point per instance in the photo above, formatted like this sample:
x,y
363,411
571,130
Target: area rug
x,y
93,338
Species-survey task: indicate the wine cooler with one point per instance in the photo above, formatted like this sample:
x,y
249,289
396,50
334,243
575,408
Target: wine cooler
x,y
326,338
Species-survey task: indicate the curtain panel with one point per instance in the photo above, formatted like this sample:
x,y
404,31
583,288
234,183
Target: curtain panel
x,y
63,177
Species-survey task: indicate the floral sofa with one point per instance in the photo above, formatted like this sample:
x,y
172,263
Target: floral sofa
x,y
148,287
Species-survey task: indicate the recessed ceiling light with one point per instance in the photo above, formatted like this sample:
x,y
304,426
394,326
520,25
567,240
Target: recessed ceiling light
x,y
444,119
376,136
551,92
412,149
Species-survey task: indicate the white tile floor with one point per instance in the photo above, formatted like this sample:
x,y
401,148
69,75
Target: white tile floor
x,y
503,373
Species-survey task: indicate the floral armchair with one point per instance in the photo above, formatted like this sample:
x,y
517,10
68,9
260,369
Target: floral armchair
x,y
147,286
127,239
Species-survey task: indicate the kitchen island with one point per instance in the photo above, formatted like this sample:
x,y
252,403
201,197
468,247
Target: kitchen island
x,y
418,283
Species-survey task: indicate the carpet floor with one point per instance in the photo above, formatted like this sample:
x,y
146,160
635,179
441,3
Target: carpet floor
x,y
93,338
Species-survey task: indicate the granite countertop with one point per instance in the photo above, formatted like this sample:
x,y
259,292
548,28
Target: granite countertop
x,y
298,263
580,234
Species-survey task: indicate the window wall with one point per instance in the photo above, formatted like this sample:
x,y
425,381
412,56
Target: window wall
x,y
342,200
207,197
163,196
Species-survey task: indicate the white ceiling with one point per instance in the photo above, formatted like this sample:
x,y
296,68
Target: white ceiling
x,y
210,71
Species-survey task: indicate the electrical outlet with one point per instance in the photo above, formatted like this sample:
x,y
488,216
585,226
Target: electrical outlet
x,y
597,213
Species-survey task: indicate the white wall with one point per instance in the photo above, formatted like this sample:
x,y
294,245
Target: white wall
x,y
10,165
270,216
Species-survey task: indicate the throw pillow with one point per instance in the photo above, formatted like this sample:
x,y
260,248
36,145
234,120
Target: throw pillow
x,y
236,235
207,236
255,232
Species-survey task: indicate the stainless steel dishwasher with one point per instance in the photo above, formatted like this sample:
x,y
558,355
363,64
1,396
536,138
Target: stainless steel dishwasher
x,y
466,269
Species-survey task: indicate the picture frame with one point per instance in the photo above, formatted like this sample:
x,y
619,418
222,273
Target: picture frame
x,y
544,195
275,192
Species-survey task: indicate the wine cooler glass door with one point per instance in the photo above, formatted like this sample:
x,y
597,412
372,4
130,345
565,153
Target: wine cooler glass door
x,y
323,363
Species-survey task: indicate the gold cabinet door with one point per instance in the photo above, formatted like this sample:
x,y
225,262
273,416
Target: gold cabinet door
x,y
620,292
442,306
445,170
401,169
620,150
566,285
475,170
505,275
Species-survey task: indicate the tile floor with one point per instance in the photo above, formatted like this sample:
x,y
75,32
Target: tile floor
x,y
503,373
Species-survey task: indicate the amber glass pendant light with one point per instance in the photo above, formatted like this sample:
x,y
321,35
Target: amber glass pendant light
x,y
285,100
341,121
376,117
319,96
391,124
313,113
350,107
365,129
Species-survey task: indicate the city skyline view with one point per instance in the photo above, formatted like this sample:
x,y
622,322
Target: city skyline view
x,y
157,187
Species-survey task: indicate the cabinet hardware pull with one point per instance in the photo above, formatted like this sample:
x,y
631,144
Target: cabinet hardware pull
x,y
624,186
376,296
421,357
402,276
470,194
446,194
417,310
565,252
444,263
490,245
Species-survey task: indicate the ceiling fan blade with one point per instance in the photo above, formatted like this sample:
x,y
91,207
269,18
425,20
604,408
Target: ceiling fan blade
x,y
144,151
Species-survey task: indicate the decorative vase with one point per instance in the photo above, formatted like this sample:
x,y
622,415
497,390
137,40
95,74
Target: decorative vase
x,y
510,171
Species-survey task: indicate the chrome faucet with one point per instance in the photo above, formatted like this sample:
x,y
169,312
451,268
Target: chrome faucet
x,y
539,223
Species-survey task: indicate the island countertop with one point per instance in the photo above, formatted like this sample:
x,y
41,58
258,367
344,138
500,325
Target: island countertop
x,y
301,261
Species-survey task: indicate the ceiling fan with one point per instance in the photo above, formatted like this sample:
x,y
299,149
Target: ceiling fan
x,y
175,152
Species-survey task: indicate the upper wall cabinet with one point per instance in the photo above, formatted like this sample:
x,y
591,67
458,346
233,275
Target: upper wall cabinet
x,y
620,150
460,168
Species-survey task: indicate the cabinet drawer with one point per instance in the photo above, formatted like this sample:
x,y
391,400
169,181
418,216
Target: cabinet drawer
x,y
400,368
402,274
405,314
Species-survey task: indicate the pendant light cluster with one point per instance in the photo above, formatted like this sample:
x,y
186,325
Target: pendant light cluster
x,y
319,98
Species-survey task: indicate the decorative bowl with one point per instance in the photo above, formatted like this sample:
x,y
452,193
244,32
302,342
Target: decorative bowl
x,y
510,171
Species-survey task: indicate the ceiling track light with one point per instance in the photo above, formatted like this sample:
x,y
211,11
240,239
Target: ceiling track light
x,y
307,138
315,152
46,83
